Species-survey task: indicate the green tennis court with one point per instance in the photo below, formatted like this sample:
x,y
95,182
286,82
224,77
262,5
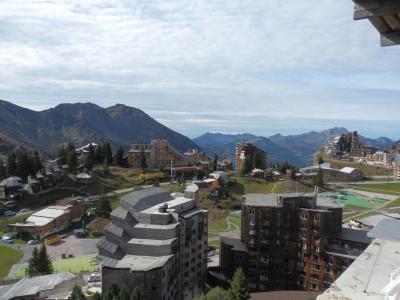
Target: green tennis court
x,y
344,198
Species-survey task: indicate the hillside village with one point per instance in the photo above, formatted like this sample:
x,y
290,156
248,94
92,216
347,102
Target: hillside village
x,y
75,199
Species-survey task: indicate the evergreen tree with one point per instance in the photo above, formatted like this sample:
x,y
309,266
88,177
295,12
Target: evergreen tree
x,y
77,293
111,292
124,294
238,288
11,164
96,296
103,206
215,162
24,165
62,156
108,153
72,161
37,163
45,265
143,162
90,158
136,295
99,155
3,170
216,293
119,157
33,264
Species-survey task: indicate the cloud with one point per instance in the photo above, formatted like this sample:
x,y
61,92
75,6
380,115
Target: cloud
x,y
294,60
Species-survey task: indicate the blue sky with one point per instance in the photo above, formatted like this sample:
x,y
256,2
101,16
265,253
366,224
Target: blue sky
x,y
222,66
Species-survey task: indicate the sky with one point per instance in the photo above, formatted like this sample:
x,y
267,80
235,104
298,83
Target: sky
x,y
230,66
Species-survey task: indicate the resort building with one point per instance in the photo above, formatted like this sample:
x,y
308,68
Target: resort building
x,y
329,173
396,172
291,241
52,219
375,274
249,157
157,243
158,153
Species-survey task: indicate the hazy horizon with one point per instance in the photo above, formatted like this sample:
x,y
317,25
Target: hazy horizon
x,y
230,66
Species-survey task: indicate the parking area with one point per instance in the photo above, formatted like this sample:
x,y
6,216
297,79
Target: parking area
x,y
72,246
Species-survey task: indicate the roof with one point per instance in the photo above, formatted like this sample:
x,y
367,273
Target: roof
x,y
355,235
83,176
347,170
12,181
142,199
374,220
387,229
368,274
45,216
32,285
142,263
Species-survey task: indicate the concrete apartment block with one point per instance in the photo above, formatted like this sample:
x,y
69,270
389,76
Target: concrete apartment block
x,y
290,242
158,243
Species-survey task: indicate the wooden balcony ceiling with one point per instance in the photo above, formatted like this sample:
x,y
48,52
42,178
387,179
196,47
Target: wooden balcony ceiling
x,y
384,15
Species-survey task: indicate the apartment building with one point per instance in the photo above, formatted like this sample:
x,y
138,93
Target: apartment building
x,y
291,241
157,243
396,172
158,153
250,157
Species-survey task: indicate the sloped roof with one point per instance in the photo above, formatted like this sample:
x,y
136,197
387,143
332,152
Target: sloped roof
x,y
33,285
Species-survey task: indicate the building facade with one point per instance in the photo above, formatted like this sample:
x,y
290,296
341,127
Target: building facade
x,y
249,157
158,244
52,219
289,242
158,153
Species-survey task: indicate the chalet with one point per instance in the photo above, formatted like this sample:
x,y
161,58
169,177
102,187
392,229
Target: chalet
x,y
13,187
84,178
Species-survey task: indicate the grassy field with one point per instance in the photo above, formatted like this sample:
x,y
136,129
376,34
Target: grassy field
x,y
74,265
385,188
366,169
8,257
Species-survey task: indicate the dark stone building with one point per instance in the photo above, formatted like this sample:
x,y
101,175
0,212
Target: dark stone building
x,y
250,157
290,242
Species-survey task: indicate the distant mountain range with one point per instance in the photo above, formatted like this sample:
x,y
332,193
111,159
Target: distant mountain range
x,y
80,123
297,149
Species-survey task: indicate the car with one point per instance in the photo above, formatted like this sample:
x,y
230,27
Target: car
x,y
7,239
8,213
24,210
33,242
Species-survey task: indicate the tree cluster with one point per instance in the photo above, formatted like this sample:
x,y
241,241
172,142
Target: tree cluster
x,y
113,292
285,165
237,290
21,163
95,155
103,207
39,263
68,156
